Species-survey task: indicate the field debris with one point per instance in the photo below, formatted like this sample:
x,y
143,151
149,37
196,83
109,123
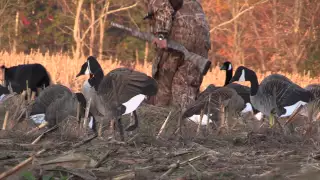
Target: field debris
x,y
154,151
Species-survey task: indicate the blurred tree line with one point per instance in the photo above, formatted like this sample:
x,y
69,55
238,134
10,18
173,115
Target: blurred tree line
x,y
269,35
56,26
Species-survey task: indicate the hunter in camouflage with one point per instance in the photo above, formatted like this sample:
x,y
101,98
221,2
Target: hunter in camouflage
x,y
179,81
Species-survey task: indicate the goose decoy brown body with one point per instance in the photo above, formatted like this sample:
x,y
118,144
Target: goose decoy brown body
x,y
276,95
57,102
45,98
121,92
130,87
243,91
228,97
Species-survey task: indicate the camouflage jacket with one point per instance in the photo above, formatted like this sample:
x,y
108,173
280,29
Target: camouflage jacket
x,y
188,27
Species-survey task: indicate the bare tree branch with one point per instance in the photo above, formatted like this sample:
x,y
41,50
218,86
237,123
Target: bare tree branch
x,y
103,15
238,15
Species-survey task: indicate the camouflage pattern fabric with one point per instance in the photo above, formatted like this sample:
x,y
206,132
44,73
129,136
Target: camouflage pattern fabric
x,y
179,80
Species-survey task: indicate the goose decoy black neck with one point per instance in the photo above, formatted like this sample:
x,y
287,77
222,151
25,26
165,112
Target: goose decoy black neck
x,y
96,78
81,99
227,66
243,74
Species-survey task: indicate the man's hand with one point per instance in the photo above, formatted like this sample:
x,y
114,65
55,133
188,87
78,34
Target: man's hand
x,y
160,43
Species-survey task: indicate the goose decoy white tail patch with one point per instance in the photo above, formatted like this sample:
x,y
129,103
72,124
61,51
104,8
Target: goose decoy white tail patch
x,y
275,96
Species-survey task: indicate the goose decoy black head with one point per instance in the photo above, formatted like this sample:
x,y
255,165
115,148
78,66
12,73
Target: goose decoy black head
x,y
83,70
242,74
89,67
226,66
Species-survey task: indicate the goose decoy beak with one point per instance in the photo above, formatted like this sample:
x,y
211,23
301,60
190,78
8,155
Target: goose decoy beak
x,y
223,67
78,75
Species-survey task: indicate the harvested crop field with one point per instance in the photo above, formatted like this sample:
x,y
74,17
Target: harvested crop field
x,y
73,153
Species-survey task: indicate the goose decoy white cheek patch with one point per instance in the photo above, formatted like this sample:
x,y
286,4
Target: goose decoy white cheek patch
x,y
230,67
88,68
242,77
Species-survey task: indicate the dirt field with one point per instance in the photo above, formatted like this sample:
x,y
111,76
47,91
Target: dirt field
x,y
241,154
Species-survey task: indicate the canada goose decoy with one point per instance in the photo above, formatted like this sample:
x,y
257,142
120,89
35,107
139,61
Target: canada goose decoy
x,y
35,75
55,103
46,97
90,88
121,91
243,91
313,107
275,96
228,97
66,106
210,88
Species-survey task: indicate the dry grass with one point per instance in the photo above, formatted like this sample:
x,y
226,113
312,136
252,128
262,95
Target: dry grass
x,y
63,69
242,154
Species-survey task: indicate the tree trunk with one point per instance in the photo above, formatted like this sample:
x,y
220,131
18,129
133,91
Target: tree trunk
x,y
260,50
274,24
92,34
16,31
235,10
76,31
146,53
297,17
102,23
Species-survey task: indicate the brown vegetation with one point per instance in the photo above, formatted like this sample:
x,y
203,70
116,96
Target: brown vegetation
x,y
63,69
